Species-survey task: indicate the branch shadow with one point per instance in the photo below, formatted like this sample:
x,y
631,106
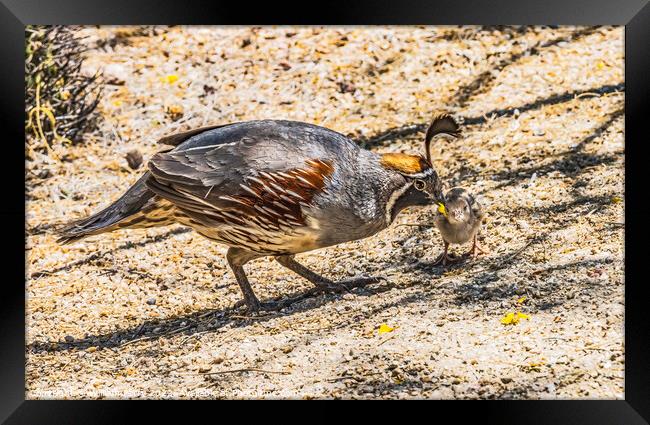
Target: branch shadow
x,y
478,287
570,163
201,321
98,255
394,387
481,83
476,290
410,129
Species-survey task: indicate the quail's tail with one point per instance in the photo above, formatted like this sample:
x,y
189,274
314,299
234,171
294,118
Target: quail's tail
x,y
128,211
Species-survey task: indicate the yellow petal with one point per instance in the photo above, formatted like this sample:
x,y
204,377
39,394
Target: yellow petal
x,y
508,319
384,328
522,316
171,78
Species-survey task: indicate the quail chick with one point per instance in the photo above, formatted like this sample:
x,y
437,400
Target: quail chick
x,y
459,219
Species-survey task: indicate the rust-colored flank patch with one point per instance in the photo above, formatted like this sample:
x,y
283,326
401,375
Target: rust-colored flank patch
x,y
274,197
404,163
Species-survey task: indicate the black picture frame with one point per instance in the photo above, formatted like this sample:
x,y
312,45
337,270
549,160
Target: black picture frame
x,y
634,14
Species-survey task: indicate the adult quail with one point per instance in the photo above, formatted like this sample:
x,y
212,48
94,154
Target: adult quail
x,y
269,188
459,219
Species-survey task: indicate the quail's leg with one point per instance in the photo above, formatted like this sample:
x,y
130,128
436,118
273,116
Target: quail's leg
x,y
237,257
476,248
445,258
319,281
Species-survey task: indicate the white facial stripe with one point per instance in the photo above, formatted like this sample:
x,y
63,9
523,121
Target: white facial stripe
x,y
219,145
393,199
425,173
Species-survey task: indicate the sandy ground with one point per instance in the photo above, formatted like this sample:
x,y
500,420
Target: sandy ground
x,y
147,313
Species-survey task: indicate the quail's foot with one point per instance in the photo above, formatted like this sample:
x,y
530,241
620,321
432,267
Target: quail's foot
x,y
476,249
359,281
445,258
328,286
322,283
254,307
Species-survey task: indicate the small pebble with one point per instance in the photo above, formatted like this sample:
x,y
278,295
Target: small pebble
x,y
134,159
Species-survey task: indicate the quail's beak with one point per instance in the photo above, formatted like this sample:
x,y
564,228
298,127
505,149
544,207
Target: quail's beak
x,y
441,209
437,197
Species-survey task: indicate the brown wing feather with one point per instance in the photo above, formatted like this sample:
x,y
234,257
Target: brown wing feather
x,y
270,199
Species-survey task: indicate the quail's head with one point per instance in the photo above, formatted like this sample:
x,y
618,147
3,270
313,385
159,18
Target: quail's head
x,y
428,186
441,125
459,206
423,186
455,209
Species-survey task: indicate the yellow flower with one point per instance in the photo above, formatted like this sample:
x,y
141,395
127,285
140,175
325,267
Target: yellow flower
x,y
508,319
171,78
600,65
533,366
384,328
521,300
514,318
117,102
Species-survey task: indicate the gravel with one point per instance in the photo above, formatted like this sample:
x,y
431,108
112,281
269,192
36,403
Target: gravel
x,y
148,313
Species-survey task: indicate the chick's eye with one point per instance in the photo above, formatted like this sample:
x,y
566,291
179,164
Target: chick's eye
x,y
419,185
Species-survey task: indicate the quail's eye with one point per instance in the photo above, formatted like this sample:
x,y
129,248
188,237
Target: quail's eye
x,y
419,184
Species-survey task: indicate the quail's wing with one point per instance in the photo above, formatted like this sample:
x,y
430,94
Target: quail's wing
x,y
236,174
477,209
178,138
